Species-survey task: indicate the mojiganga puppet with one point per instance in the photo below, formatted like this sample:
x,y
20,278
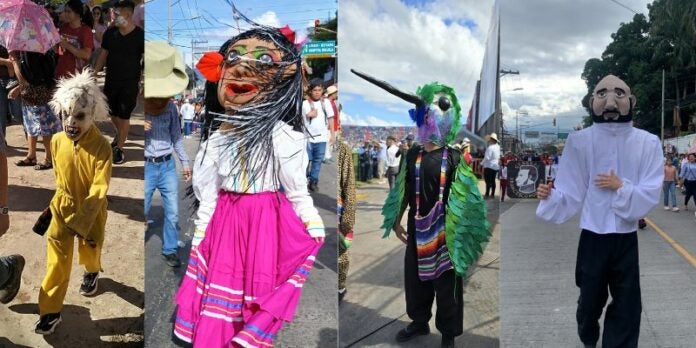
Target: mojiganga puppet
x,y
82,166
447,227
254,244
613,172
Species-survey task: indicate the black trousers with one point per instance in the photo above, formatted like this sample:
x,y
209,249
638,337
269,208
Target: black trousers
x,y
690,191
392,172
446,290
608,262
489,177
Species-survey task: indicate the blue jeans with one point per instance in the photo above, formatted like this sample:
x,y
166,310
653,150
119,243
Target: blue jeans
x,y
316,155
187,127
163,177
669,193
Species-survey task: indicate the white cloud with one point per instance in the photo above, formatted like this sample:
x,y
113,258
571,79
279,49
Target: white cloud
x,y
409,47
268,18
369,121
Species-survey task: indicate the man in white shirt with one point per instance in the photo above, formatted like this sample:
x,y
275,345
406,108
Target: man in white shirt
x,y
392,161
491,164
318,114
614,173
188,113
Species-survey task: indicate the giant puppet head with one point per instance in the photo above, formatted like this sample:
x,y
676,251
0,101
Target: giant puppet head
x,y
612,101
79,102
436,113
254,82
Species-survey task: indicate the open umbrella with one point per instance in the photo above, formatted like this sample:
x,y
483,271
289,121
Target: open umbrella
x,y
26,26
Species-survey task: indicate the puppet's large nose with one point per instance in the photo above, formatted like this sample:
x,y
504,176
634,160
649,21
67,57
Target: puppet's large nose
x,y
610,104
241,70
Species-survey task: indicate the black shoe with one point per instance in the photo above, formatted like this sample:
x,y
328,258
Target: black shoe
x,y
114,142
47,323
118,156
89,284
10,289
342,294
172,260
313,187
411,331
447,342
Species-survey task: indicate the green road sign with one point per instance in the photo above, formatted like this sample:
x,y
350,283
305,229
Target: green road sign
x,y
563,135
319,49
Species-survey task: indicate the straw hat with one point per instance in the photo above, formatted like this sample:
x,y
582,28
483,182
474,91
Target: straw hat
x,y
494,137
331,90
165,73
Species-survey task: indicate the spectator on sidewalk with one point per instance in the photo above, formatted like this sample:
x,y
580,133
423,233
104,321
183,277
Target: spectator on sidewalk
x,y
668,187
35,73
122,50
188,113
503,177
688,179
491,164
97,32
392,161
6,76
318,115
10,266
77,41
165,77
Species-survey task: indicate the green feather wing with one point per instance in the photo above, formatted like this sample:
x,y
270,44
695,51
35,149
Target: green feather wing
x,y
467,229
392,206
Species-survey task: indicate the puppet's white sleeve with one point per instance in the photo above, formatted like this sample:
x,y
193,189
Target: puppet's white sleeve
x,y
634,200
570,185
291,153
206,183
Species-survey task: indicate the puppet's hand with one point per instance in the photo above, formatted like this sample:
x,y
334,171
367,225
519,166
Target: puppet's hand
x,y
319,239
187,174
609,181
401,233
543,191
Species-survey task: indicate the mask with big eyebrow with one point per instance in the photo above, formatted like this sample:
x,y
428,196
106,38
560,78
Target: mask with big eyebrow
x,y
612,101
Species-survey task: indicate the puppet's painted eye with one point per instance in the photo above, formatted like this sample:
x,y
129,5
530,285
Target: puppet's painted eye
x,y
233,57
620,93
444,103
602,94
265,58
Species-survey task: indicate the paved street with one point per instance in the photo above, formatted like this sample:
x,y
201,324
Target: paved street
x,y
374,308
316,317
538,295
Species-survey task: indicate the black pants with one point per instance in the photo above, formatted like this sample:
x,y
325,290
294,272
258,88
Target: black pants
x,y
449,318
489,177
608,262
690,191
392,172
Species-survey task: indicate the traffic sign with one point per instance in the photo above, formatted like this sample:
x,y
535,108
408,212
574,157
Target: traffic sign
x,y
319,49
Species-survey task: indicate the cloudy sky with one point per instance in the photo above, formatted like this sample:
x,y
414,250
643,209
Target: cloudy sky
x,y
213,19
410,43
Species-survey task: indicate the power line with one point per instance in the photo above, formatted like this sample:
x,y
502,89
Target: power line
x,y
624,6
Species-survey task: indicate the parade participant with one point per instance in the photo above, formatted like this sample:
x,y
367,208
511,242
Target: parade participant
x,y
392,161
165,77
82,158
254,244
446,225
668,186
614,172
346,213
318,117
503,177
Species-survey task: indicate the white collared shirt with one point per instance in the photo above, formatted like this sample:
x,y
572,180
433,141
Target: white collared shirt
x,y
635,156
492,157
213,171
392,160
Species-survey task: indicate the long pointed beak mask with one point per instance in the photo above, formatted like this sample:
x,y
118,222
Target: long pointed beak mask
x,y
437,112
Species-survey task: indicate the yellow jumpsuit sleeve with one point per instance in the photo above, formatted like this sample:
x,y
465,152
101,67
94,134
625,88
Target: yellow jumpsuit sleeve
x,y
81,222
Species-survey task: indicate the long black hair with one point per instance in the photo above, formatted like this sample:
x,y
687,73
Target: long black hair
x,y
83,11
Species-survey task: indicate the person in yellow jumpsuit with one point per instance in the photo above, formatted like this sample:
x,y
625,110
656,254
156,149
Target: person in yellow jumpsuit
x,y
82,166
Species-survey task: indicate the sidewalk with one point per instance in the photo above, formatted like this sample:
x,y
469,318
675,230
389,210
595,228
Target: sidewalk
x,y
115,315
374,308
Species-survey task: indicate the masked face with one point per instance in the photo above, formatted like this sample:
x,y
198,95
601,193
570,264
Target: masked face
x,y
77,125
122,17
249,68
612,101
438,120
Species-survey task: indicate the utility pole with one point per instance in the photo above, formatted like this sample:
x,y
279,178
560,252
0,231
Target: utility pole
x,y
169,22
662,124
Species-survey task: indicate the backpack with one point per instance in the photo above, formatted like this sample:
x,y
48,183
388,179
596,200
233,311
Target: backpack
x,y
37,68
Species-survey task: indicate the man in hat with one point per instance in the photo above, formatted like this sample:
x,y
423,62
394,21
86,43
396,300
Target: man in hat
x,y
318,116
165,77
491,164
614,172
122,50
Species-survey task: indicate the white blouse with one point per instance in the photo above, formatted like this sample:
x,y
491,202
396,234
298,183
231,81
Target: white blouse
x,y
635,156
212,172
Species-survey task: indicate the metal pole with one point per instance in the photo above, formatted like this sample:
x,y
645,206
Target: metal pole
x,y
169,22
662,124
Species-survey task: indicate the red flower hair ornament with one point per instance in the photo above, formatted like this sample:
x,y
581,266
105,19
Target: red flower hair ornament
x,y
210,65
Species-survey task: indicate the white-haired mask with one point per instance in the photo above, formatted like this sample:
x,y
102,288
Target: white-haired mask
x,y
79,102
